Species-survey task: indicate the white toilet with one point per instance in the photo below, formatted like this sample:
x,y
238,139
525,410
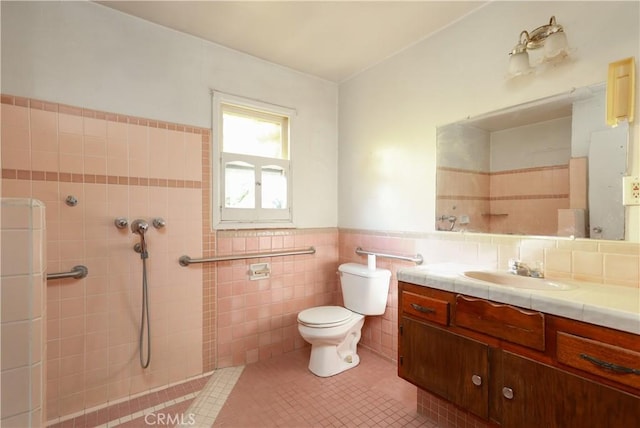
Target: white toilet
x,y
334,331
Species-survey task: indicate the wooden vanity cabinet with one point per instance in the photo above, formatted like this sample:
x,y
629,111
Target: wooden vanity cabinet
x,y
536,395
531,372
445,363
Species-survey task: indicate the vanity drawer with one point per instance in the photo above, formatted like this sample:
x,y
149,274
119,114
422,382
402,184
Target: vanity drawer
x,y
425,308
502,321
605,360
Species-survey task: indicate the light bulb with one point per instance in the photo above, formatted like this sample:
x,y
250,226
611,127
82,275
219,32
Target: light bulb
x,y
556,45
519,64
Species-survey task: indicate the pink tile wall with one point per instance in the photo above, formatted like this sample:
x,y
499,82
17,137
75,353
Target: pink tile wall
x,y
380,333
519,201
462,192
527,216
115,166
23,297
578,182
530,198
258,319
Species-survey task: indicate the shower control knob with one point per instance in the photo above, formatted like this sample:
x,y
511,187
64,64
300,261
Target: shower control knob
x,y
159,223
121,223
71,201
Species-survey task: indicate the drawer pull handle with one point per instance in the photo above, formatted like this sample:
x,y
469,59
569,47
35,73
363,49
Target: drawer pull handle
x,y
507,393
609,366
423,309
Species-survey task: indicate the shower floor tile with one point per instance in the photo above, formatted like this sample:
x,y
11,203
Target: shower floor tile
x,y
170,403
281,392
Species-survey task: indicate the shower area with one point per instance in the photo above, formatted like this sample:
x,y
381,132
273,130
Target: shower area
x,y
83,169
127,197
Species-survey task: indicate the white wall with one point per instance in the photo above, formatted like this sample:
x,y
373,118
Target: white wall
x,y
589,115
388,114
87,55
463,147
545,143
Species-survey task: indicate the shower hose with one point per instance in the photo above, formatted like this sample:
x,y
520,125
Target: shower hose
x,y
145,308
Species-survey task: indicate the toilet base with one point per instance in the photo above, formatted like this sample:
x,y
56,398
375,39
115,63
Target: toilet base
x,y
325,361
328,359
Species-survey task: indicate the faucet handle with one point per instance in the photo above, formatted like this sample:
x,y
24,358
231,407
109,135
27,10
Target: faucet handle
x,y
518,267
538,270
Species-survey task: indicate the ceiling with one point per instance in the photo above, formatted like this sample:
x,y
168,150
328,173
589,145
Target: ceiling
x,y
333,40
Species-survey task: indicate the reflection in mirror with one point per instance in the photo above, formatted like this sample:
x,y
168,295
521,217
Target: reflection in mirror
x,y
549,167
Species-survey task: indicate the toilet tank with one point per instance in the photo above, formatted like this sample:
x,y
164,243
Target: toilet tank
x,y
364,290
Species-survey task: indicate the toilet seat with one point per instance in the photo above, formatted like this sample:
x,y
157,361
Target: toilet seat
x,y
325,316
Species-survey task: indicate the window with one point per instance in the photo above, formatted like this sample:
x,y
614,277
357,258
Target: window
x,y
254,180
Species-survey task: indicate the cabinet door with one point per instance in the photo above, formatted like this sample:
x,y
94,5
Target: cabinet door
x,y
538,395
446,364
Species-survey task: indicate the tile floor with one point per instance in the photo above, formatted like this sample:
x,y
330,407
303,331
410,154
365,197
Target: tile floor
x,y
281,392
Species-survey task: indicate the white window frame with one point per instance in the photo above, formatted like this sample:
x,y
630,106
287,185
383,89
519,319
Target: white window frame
x,y
239,218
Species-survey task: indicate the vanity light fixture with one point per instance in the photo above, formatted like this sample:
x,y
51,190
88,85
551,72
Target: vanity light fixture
x,y
551,38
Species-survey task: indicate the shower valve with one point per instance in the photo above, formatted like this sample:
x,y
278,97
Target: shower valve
x,y
159,223
139,226
121,222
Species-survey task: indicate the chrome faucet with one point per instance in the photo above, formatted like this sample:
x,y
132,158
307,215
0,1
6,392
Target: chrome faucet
x,y
450,218
516,267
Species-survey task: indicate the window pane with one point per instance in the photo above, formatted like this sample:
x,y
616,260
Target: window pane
x,y
274,187
239,185
251,136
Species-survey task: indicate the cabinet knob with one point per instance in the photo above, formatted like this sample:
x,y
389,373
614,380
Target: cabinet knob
x,y
476,380
507,393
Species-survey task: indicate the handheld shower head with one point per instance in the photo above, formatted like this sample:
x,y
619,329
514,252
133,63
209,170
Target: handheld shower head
x,y
139,226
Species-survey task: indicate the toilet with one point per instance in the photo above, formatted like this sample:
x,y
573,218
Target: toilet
x,y
334,331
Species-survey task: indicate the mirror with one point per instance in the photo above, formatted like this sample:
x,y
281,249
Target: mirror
x,y
549,167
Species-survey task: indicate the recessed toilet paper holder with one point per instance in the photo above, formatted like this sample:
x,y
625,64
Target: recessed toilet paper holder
x,y
259,271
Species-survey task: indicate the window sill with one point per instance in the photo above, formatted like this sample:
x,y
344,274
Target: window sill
x,y
231,225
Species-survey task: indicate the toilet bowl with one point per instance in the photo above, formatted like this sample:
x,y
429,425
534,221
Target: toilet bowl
x,y
334,331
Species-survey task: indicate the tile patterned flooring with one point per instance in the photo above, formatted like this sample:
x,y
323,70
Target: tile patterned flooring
x,y
205,409
279,392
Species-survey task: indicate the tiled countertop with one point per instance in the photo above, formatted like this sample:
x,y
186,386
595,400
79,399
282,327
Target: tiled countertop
x,y
605,305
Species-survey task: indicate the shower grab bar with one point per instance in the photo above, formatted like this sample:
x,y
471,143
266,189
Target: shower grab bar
x,y
186,260
78,272
417,259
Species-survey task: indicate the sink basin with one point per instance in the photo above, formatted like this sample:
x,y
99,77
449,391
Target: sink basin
x,y
515,281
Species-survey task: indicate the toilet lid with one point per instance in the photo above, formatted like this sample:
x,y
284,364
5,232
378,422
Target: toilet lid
x,y
325,316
